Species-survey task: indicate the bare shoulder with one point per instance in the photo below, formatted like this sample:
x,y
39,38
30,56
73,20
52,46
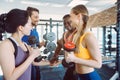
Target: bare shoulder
x,y
60,41
90,37
6,45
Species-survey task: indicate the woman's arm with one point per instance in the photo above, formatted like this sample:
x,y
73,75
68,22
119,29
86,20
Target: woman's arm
x,y
93,47
54,58
7,61
91,44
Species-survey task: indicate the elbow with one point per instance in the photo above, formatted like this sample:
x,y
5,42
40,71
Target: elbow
x,y
10,77
99,65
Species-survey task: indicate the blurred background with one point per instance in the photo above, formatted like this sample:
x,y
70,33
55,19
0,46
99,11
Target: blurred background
x,y
102,22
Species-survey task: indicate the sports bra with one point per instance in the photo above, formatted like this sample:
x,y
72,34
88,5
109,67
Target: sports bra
x,y
84,53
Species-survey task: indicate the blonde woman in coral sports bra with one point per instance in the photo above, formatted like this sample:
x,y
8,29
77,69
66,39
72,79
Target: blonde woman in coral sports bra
x,y
87,55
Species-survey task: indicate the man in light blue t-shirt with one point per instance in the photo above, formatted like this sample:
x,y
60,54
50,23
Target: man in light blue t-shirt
x,y
33,33
34,15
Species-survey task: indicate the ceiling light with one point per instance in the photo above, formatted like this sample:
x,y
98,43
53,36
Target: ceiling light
x,y
57,5
34,3
92,8
76,2
30,3
9,0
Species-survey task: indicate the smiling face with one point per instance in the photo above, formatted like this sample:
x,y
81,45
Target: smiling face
x,y
79,17
67,24
74,20
35,18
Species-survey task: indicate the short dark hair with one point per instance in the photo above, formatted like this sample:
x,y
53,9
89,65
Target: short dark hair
x,y
11,20
31,9
66,16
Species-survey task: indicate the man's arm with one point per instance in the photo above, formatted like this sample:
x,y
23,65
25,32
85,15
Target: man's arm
x,y
41,44
57,51
54,58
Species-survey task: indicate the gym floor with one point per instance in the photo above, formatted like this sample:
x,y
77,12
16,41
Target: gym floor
x,y
106,72
57,73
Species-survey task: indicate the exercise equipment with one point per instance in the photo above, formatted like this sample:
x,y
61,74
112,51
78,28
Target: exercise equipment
x,y
116,76
50,36
109,36
107,40
51,46
33,42
69,46
45,36
45,51
50,55
38,59
46,30
65,64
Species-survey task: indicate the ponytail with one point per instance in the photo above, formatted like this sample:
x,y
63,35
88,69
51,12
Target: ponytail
x,y
2,22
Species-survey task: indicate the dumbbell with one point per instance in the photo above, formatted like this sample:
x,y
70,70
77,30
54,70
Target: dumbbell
x,y
33,42
38,59
68,65
68,46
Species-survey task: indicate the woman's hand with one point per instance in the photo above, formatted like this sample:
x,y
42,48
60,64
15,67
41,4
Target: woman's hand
x,y
34,52
70,57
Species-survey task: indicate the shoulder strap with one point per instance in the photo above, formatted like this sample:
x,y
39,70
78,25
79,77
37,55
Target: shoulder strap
x,y
15,47
27,48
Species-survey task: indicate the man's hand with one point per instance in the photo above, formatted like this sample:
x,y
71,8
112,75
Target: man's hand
x,y
42,43
53,61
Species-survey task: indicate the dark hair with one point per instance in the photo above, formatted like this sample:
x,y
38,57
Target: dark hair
x,y
31,9
66,16
2,22
14,18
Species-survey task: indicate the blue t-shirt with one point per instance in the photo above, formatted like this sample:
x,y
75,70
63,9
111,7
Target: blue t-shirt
x,y
33,33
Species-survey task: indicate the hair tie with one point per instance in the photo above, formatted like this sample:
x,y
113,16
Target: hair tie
x,y
3,17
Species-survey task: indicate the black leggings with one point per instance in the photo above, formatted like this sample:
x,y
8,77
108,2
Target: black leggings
x,y
70,74
35,73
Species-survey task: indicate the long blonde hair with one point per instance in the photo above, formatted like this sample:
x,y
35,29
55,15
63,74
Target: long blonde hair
x,y
82,26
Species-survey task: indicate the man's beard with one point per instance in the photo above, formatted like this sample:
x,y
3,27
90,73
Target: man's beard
x,y
33,24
